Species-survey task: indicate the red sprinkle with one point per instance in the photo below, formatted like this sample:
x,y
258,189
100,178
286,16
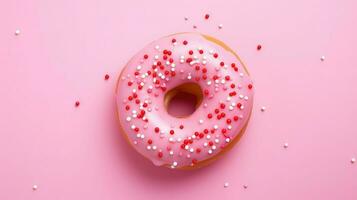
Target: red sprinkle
x,y
172,132
157,129
206,16
250,86
173,40
259,47
149,141
185,42
181,126
160,154
106,77
146,56
77,103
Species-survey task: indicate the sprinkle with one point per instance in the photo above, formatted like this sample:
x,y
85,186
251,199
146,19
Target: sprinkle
x,y
77,103
106,77
226,184
245,186
322,58
353,160
17,32
206,16
263,108
34,187
186,18
286,145
220,26
259,47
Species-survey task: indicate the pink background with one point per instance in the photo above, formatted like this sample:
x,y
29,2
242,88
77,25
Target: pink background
x,y
67,46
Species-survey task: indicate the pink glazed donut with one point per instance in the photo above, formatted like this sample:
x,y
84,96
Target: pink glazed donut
x,y
184,63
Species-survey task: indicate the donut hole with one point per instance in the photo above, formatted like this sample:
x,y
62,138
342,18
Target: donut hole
x,y
183,100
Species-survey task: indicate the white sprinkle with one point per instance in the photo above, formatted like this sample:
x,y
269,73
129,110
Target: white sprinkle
x,y
171,153
214,147
205,144
216,140
191,150
138,67
245,186
241,74
263,108
322,58
208,137
154,147
135,142
17,32
286,145
226,184
228,140
148,147
174,164
34,187
156,57
210,151
215,127
200,121
157,47
220,26
128,119
142,136
353,160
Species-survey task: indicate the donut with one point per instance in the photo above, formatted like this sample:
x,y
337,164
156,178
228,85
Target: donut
x,y
191,63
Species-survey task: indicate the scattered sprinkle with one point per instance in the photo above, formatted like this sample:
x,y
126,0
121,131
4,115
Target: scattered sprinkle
x,y
17,32
263,108
353,160
245,186
322,58
259,47
34,187
106,77
286,145
220,26
206,16
226,184
77,103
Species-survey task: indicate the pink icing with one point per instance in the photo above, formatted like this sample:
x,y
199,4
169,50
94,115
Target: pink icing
x,y
223,113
